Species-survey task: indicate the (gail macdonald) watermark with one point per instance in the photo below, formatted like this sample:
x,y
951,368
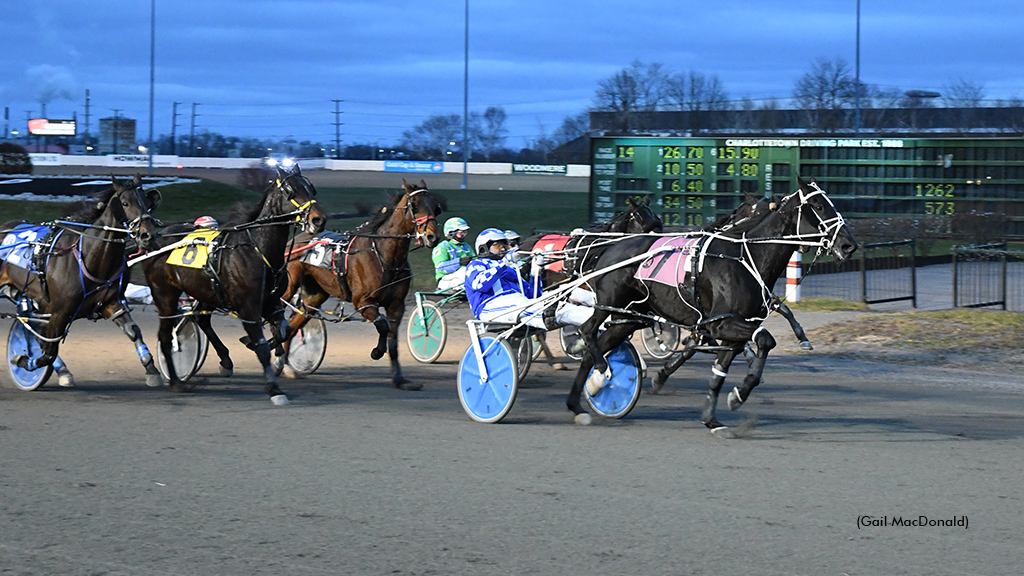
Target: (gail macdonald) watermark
x,y
920,521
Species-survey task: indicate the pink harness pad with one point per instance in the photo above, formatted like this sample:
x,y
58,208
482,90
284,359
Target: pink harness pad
x,y
672,266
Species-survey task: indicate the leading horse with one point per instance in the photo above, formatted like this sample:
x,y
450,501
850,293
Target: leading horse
x,y
75,268
242,271
723,301
369,268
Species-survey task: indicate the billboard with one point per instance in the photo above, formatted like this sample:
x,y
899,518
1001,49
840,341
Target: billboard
x,y
46,127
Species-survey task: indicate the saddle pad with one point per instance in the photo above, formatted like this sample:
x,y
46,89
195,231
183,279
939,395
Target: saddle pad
x,y
16,248
196,251
552,243
670,267
323,249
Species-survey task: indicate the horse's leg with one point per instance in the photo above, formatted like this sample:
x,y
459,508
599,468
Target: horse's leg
x,y
205,322
119,314
295,323
395,311
615,334
542,340
763,342
688,350
798,330
164,333
254,329
718,372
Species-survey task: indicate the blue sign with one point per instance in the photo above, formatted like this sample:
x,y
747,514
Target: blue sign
x,y
413,166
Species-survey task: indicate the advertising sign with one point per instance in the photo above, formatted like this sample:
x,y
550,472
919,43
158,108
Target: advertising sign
x,y
413,166
46,127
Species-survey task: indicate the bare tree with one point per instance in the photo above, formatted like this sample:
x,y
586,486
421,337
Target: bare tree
x,y
962,93
572,128
490,131
636,88
675,91
704,93
431,139
824,92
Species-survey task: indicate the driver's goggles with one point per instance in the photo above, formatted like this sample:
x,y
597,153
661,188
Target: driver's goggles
x,y
499,244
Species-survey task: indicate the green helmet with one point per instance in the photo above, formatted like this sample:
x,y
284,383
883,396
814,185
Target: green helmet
x,y
452,225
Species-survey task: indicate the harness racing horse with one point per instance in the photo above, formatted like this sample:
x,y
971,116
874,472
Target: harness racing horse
x,y
723,303
581,249
371,271
75,268
239,269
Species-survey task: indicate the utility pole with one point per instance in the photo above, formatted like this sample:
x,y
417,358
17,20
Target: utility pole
x,y
192,130
174,129
465,108
152,73
337,129
87,138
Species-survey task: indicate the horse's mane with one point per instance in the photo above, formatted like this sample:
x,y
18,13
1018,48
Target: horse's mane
x,y
90,209
382,214
245,212
606,226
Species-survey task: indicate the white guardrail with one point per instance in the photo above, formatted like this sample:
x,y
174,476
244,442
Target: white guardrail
x,y
417,166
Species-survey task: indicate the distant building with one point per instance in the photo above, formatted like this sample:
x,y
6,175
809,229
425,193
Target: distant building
x,y
117,136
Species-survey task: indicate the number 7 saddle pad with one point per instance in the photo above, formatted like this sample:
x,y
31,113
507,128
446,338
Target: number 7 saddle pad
x,y
671,260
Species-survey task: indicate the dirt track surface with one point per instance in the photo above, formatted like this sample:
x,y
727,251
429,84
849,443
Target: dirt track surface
x,y
359,478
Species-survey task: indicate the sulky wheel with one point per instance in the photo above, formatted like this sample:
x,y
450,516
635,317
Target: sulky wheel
x,y
622,390
523,347
188,350
21,341
567,337
488,401
308,347
426,333
660,340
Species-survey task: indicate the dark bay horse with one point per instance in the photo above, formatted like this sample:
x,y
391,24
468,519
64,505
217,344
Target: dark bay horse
x,y
369,268
75,268
241,270
726,300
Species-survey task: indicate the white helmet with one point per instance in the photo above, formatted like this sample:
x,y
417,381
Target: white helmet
x,y
485,238
512,236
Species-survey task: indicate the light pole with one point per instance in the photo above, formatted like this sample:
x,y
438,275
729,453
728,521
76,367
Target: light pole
x,y
856,97
152,68
465,108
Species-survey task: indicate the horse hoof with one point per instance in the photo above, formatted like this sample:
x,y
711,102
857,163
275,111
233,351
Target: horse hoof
x,y
559,366
289,372
595,383
656,385
583,419
279,400
376,354
805,345
21,361
407,385
152,380
227,371
734,399
723,432
66,380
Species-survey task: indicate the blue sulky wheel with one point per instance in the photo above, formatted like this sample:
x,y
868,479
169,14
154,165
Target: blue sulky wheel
x,y
621,392
488,401
21,341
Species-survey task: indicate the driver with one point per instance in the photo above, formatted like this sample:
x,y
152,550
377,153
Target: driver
x,y
497,293
451,256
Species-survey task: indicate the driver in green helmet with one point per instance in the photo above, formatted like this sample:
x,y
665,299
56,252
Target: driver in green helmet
x,y
451,255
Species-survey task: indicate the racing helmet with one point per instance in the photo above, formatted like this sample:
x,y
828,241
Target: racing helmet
x,y
453,225
513,237
488,237
205,222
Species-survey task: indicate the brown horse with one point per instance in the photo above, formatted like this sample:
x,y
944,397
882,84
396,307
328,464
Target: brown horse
x,y
369,268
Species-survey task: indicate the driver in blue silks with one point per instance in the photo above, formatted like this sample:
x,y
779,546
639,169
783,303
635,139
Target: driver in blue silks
x,y
497,292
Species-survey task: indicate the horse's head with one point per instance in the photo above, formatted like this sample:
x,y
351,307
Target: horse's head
x,y
297,196
132,207
818,219
422,207
637,219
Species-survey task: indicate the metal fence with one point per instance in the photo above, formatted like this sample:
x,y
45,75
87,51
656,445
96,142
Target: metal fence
x,y
885,272
988,275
